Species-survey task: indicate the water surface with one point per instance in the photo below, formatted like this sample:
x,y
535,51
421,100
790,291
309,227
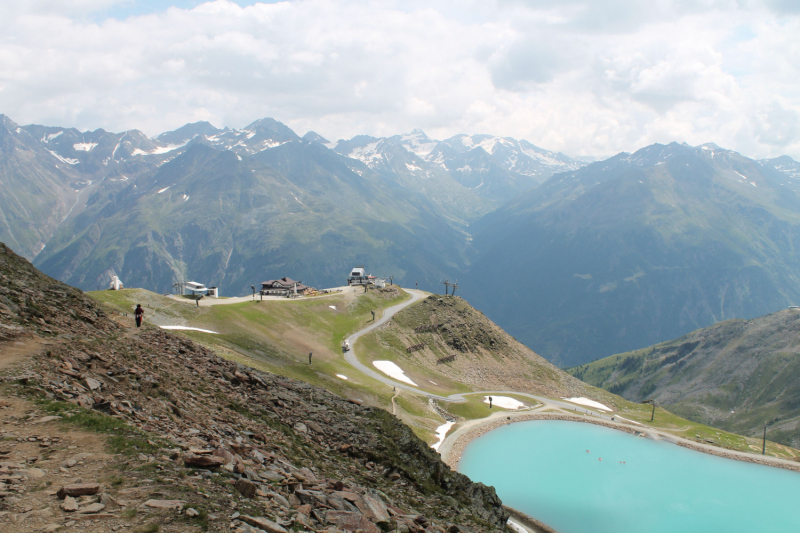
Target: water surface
x,y
543,469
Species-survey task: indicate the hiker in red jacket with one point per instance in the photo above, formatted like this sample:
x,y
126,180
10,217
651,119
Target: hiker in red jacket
x,y
139,313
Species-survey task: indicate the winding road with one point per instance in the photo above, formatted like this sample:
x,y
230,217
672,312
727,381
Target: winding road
x,y
416,296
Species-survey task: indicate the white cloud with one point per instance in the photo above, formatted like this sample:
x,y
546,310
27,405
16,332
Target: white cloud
x,y
586,78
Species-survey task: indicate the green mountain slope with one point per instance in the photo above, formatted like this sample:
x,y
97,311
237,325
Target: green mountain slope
x,y
640,248
736,375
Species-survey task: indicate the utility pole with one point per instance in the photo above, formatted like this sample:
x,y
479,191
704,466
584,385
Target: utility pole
x,y
254,292
446,284
454,286
309,357
764,445
391,280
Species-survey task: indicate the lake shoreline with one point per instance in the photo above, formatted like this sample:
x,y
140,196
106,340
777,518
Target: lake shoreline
x,y
452,453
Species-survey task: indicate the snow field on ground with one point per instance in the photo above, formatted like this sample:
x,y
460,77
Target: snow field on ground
x,y
626,420
441,433
504,401
341,376
516,527
186,328
393,371
589,403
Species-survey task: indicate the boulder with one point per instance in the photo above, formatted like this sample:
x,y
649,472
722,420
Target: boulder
x,y
69,504
246,488
351,521
165,504
203,461
373,506
92,508
262,523
78,489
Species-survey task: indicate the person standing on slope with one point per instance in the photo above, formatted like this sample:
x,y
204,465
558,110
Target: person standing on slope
x,y
138,314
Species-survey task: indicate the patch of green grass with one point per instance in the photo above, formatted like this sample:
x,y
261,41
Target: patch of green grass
x,y
149,528
470,409
122,438
201,519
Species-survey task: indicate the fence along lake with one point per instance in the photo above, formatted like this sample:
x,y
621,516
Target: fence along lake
x,y
551,470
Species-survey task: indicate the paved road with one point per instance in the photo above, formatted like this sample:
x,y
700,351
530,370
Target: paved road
x,y
209,301
351,358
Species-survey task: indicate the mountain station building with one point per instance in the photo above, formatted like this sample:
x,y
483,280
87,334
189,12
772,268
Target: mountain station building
x,y
284,287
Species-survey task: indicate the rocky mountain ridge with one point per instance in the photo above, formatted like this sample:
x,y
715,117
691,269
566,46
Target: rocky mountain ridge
x,y
284,454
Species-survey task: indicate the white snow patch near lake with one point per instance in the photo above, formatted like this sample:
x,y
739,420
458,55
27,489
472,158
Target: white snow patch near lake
x,y
504,401
341,376
84,147
393,371
186,328
589,403
626,420
441,433
516,527
164,189
332,307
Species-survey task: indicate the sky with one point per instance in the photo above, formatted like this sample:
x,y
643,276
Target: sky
x,y
584,78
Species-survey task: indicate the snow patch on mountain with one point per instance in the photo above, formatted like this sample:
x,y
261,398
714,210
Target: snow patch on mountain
x,y
84,147
48,138
66,160
368,154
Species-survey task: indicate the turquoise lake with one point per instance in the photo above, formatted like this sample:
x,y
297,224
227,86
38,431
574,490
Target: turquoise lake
x,y
543,469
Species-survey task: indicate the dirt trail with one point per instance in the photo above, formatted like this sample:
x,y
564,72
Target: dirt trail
x,y
39,455
17,351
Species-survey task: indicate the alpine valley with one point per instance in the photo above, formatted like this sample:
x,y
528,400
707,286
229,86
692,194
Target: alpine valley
x,y
577,260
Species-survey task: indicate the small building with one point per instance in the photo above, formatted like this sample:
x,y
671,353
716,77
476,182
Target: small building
x,y
380,283
284,287
116,284
359,276
213,292
195,287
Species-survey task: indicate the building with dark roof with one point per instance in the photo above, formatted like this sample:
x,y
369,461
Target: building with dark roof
x,y
284,287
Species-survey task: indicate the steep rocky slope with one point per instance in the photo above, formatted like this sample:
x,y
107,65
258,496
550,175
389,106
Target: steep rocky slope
x,y
735,375
212,436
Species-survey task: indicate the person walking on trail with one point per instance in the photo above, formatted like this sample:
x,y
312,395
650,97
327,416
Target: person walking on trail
x,y
138,314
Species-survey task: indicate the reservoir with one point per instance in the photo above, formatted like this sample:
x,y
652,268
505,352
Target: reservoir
x,y
543,469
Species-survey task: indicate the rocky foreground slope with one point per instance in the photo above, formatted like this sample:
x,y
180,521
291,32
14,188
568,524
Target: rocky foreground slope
x,y
734,375
195,441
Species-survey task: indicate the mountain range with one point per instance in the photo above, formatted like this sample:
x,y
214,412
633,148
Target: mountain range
x,y
639,248
230,207
577,260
